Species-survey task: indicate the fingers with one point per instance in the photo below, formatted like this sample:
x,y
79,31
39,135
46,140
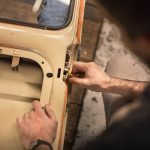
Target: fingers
x,y
19,125
19,121
50,112
25,116
37,106
79,66
31,114
82,67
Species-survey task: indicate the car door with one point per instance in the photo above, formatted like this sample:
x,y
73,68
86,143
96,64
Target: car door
x,y
35,60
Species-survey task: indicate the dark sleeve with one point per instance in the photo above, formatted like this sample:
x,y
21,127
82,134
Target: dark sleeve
x,y
132,133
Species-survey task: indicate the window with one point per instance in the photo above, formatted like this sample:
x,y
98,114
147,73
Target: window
x,y
39,13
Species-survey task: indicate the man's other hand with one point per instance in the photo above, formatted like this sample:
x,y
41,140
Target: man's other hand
x,y
37,124
95,79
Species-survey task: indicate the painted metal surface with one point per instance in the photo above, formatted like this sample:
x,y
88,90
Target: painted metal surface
x,y
18,89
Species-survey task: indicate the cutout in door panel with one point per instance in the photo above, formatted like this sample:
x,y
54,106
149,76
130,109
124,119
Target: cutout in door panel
x,y
26,82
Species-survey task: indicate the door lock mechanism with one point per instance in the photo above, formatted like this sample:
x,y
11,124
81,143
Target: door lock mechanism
x,y
72,55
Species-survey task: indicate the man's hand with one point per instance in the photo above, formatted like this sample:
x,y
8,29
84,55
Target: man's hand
x,y
97,80
94,79
37,124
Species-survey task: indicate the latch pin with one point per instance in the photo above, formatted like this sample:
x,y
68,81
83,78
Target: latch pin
x,y
15,63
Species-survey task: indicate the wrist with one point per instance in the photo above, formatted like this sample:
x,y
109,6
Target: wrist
x,y
106,84
113,85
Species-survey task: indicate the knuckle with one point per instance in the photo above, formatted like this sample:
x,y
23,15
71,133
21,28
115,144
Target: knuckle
x,y
93,64
86,66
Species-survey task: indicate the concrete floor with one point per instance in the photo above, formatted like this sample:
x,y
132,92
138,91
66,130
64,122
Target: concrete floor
x,y
92,121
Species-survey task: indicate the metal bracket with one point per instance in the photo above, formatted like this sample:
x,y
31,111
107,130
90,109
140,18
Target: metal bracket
x,y
15,62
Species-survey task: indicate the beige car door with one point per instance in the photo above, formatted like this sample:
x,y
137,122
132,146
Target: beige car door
x,y
34,64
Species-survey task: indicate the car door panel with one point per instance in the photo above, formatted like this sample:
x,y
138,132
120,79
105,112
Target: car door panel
x,y
32,62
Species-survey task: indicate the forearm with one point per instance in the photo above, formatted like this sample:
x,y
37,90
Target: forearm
x,y
126,88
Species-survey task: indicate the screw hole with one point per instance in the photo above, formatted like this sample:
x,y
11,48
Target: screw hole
x,y
49,75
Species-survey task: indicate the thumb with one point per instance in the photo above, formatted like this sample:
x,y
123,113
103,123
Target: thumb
x,y
78,81
79,66
50,113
